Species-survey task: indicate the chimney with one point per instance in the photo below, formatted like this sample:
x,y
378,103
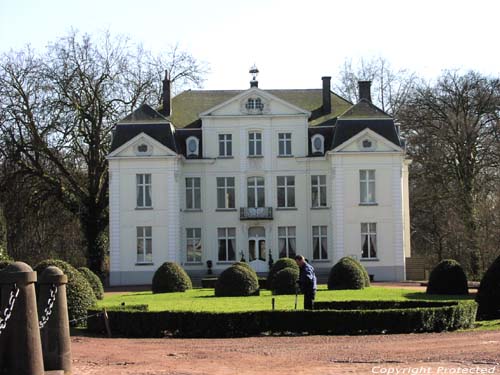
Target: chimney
x,y
365,90
165,96
327,100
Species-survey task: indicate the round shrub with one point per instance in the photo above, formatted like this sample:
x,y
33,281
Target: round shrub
x,y
448,277
285,281
236,281
279,265
346,274
366,277
245,265
169,278
94,281
488,295
78,290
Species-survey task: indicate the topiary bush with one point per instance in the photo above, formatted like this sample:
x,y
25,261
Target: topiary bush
x,y
488,295
362,268
236,281
285,281
346,274
279,265
169,278
94,281
78,290
448,277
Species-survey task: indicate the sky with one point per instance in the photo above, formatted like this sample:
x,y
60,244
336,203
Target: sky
x,y
293,43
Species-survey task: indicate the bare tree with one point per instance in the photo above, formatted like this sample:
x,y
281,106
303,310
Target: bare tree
x,y
58,110
390,88
453,131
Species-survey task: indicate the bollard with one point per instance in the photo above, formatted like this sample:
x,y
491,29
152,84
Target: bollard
x,y
53,311
20,345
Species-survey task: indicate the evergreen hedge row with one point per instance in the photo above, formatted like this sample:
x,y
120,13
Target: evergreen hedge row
x,y
434,317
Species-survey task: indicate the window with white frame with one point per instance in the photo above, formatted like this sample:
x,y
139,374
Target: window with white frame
x,y
286,191
285,144
193,193
254,104
227,244
255,144
255,192
287,242
225,145
368,240
225,192
317,144
192,146
367,186
320,242
143,190
318,191
144,245
193,244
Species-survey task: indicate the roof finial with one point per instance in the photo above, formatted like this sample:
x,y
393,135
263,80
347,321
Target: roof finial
x,y
254,72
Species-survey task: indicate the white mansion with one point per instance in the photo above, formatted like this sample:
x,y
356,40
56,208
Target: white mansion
x,y
253,174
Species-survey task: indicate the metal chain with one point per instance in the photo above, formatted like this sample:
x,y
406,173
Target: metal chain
x,y
8,310
50,304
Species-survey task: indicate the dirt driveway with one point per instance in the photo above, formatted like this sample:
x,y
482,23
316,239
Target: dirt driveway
x,y
444,353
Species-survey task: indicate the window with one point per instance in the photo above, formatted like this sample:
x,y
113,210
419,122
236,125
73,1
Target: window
x,y
227,244
318,144
368,240
193,244
225,192
286,242
320,242
193,193
192,146
318,191
286,191
144,245
143,190
285,144
255,192
225,145
254,104
255,144
367,186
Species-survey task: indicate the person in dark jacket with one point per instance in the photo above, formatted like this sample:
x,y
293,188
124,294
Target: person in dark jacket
x,y
307,281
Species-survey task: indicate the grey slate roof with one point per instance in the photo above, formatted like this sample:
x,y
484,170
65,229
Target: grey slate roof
x,y
346,129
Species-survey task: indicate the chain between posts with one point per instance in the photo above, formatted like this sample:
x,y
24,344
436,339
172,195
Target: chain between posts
x,y
50,304
8,310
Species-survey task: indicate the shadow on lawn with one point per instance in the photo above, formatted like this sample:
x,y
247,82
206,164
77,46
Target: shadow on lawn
x,y
437,297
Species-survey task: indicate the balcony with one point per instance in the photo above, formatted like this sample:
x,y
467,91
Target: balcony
x,y
256,213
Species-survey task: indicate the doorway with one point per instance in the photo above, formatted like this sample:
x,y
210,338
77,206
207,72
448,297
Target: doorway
x,y
257,252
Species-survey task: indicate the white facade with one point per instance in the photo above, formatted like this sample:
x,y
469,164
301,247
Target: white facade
x,y
375,232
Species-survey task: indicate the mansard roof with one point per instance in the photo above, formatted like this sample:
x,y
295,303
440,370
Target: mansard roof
x,y
187,106
144,120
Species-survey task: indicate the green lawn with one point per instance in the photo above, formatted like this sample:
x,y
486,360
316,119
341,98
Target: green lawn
x,y
204,300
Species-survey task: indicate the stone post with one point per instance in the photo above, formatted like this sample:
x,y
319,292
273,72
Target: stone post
x,y
56,345
20,345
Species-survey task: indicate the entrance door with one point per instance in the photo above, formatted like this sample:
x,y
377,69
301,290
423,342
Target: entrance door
x,y
257,253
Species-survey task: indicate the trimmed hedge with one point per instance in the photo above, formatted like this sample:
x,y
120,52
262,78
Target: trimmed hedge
x,y
209,282
448,277
236,281
448,316
78,290
279,265
94,281
488,294
285,281
346,274
170,278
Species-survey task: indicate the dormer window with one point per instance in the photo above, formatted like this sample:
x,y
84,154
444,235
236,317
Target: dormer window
x,y
192,147
254,104
143,149
318,144
367,144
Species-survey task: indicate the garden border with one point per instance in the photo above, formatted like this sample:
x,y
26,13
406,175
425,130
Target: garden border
x,y
436,317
